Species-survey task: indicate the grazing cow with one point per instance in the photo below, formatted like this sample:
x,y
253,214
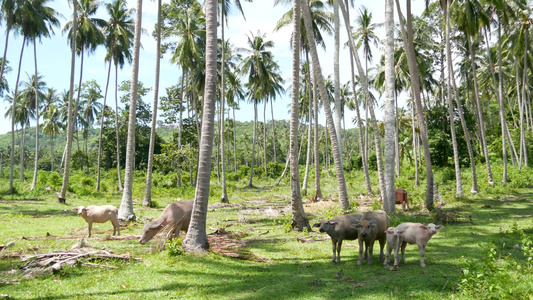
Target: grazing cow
x,y
400,196
372,227
339,229
419,234
176,214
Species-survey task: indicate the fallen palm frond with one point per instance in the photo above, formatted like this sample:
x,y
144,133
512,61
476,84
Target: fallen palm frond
x,y
46,263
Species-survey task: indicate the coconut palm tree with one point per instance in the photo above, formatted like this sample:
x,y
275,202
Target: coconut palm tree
x,y
118,41
9,13
52,126
61,198
148,189
407,35
125,211
341,181
256,65
390,113
470,16
196,238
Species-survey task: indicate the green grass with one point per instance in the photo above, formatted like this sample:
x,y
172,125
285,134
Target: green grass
x,y
290,269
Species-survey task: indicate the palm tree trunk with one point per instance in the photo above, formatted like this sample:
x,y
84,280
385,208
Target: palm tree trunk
x,y
21,151
8,29
13,116
500,97
250,184
390,112
341,181
70,124
52,152
117,130
308,155
196,238
148,190
299,218
102,129
234,143
225,198
415,86
415,139
364,83
36,162
125,211
265,137
273,130
458,181
318,189
480,113
336,75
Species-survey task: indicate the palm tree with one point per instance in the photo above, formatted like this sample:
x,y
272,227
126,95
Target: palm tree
x,y
390,113
52,126
10,13
125,211
470,16
366,37
458,181
299,218
223,15
196,238
90,36
341,182
415,86
256,65
61,198
118,41
148,190
90,106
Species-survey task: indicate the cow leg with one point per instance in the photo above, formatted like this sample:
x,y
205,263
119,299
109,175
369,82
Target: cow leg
x,y
339,245
360,262
177,230
387,257
90,228
403,252
381,246
334,247
370,251
422,249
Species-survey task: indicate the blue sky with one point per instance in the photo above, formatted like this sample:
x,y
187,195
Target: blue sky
x,y
53,54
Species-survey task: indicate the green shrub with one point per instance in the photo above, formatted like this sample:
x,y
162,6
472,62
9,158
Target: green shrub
x,y
174,247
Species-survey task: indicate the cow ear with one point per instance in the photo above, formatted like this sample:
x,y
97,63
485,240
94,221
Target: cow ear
x,y
316,225
355,226
333,222
423,227
389,231
401,231
84,209
156,225
439,227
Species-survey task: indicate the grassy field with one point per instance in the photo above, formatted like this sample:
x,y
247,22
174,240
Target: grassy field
x,y
477,255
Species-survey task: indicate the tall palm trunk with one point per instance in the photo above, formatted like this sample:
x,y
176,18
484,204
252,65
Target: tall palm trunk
x,y
524,101
318,189
299,218
308,155
458,181
234,143
415,86
336,75
364,84
196,238
390,112
250,183
225,198
273,130
102,129
148,190
8,29
415,144
500,98
265,137
21,151
52,152
359,121
117,130
13,115
36,162
70,120
480,112
125,211
341,181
